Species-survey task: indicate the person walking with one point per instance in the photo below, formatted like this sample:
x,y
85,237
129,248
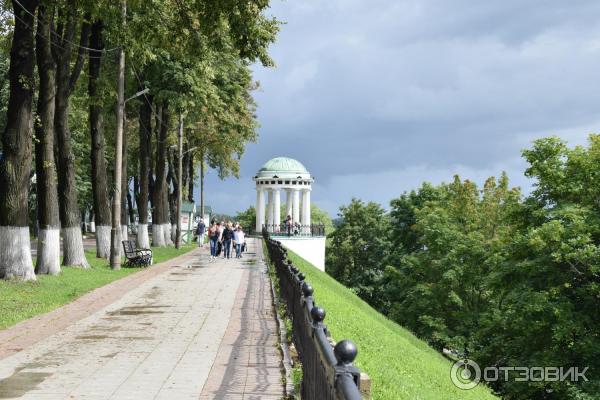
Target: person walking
x,y
227,237
213,238
288,225
200,232
240,238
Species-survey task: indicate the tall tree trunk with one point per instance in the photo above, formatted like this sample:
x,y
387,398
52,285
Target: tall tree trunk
x,y
99,173
172,183
124,185
190,167
145,132
15,163
161,226
130,207
184,176
202,185
153,150
48,247
70,217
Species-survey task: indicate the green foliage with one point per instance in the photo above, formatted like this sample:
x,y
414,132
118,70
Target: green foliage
x,y
320,217
358,245
506,280
247,218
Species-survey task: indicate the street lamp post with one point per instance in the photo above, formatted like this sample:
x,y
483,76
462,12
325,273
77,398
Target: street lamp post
x,y
179,181
115,237
115,234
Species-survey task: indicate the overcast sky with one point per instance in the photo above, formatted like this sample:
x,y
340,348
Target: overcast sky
x,y
375,97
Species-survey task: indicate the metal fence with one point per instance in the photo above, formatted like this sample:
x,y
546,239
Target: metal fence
x,y
328,373
295,230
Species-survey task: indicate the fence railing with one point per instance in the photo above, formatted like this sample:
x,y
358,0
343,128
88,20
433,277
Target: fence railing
x,y
293,230
328,373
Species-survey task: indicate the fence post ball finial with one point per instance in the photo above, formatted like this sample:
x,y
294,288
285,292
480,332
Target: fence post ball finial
x,y
317,314
307,289
345,352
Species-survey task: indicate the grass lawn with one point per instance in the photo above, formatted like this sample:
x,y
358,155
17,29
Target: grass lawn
x,y
400,365
23,300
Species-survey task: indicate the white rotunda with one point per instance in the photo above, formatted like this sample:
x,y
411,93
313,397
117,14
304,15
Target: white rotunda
x,y
278,176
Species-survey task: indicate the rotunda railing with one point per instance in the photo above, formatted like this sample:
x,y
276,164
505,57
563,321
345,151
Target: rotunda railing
x,y
295,230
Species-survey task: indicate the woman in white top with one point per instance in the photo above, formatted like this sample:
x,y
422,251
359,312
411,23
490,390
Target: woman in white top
x,y
239,238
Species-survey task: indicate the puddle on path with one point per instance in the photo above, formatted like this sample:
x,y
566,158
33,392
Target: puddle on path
x,y
137,310
21,381
102,337
153,293
134,312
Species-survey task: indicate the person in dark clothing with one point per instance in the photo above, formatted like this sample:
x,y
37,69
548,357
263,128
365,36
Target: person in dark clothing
x,y
288,225
200,231
227,237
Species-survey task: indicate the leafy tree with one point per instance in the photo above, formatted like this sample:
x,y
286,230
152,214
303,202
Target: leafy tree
x,y
247,218
358,247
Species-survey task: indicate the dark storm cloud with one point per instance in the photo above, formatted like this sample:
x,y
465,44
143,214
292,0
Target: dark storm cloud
x,y
375,97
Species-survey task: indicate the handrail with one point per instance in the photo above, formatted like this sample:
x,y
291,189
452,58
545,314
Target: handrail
x,y
295,230
328,373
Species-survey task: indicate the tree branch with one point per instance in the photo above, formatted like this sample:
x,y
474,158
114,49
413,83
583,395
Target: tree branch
x,y
83,42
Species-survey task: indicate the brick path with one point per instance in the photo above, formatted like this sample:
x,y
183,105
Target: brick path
x,y
186,331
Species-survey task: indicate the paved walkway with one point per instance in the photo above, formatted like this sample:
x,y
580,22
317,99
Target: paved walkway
x,y
199,330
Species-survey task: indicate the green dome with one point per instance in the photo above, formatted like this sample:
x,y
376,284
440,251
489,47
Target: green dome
x,y
283,167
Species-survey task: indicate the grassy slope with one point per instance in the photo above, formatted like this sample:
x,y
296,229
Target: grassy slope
x,y
400,365
20,301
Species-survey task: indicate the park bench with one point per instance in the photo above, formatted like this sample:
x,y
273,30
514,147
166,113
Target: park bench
x,y
136,257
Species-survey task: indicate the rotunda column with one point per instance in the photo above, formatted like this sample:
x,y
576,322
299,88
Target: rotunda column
x,y
306,210
289,209
270,210
296,206
260,209
276,210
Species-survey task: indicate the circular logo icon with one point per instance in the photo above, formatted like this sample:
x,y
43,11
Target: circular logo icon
x,y
465,374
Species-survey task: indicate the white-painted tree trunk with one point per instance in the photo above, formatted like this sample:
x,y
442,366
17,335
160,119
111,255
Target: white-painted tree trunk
x,y
167,233
48,252
124,232
103,241
92,226
15,253
73,254
158,236
143,241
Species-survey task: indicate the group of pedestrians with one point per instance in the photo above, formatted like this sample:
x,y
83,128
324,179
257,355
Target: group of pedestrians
x,y
221,238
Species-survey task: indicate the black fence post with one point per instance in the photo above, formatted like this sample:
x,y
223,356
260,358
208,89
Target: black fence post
x,y
328,373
